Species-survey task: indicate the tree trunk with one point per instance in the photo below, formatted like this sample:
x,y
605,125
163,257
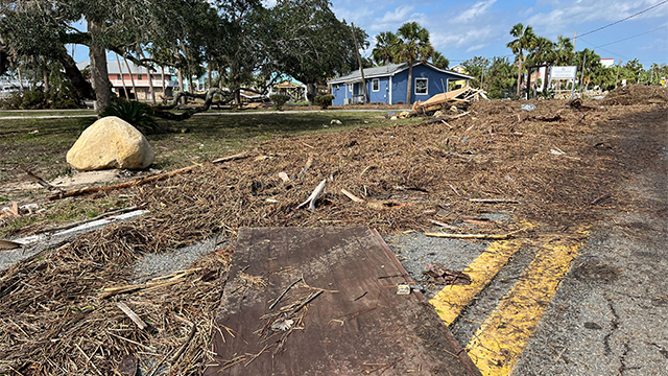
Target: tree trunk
x,y
81,85
210,66
149,70
125,88
45,74
98,70
164,86
409,87
132,79
310,92
18,72
519,74
180,75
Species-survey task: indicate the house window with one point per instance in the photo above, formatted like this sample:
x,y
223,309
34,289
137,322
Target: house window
x,y
139,77
421,86
119,77
350,88
375,85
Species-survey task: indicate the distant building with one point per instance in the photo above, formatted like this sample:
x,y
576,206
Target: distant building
x,y
388,84
120,77
607,62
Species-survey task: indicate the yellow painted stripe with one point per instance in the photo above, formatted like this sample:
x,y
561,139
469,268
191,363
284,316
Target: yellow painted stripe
x,y
502,337
450,301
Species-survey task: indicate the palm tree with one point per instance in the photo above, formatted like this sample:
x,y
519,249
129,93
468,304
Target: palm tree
x,y
439,60
564,51
542,53
524,38
385,44
413,46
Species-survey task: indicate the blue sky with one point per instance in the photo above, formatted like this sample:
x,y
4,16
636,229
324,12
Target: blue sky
x,y
463,29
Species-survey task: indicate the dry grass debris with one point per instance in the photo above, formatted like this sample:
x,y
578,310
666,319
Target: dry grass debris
x,y
53,320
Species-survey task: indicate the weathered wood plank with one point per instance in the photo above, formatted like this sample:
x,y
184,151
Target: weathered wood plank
x,y
357,324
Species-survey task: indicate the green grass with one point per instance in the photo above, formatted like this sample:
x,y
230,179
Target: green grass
x,y
46,113
207,137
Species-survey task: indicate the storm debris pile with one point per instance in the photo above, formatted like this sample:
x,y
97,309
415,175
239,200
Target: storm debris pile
x,y
55,320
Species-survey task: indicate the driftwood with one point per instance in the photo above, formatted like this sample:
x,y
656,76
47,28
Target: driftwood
x,y
472,236
132,315
351,196
142,181
441,224
163,281
163,111
314,196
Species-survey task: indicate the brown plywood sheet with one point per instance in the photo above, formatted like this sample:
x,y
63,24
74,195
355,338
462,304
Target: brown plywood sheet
x,y
353,321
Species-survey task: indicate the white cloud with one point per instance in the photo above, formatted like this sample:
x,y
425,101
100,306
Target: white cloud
x,y
476,47
400,14
564,15
477,10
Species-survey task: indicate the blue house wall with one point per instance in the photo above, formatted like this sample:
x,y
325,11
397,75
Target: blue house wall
x,y
434,85
398,85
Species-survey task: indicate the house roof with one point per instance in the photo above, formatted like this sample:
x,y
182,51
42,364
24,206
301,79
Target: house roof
x,y
112,67
388,70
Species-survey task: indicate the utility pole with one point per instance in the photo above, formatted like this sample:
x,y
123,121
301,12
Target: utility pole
x,y
574,40
618,67
582,76
359,61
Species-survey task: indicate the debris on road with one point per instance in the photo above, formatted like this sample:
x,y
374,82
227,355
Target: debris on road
x,y
439,274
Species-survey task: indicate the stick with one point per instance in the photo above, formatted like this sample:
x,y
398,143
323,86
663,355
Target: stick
x,y
314,196
599,199
472,236
37,179
285,292
309,163
453,188
150,179
495,201
233,157
444,225
132,315
185,344
307,301
351,196
174,278
77,223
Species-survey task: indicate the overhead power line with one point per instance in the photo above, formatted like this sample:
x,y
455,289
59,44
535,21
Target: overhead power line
x,y
634,36
608,51
624,19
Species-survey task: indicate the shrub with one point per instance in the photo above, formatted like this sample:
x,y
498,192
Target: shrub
x,y
279,101
136,113
12,102
34,99
324,101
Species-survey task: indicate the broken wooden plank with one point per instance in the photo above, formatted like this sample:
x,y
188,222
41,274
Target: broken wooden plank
x,y
356,307
8,244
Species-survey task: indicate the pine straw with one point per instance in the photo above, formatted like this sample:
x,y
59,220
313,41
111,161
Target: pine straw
x,y
53,321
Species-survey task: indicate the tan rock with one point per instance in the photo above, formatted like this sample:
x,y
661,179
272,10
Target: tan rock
x,y
110,143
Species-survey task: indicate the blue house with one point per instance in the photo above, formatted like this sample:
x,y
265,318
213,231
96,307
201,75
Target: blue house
x,y
388,84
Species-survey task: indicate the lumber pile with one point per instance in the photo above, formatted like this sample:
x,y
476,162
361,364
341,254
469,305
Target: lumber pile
x,y
438,101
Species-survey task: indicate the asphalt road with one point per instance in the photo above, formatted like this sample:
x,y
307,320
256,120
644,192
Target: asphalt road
x,y
609,315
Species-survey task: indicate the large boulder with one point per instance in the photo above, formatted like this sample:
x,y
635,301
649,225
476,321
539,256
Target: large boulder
x,y
110,143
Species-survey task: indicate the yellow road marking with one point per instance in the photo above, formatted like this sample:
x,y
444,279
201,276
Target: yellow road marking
x,y
450,301
502,337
